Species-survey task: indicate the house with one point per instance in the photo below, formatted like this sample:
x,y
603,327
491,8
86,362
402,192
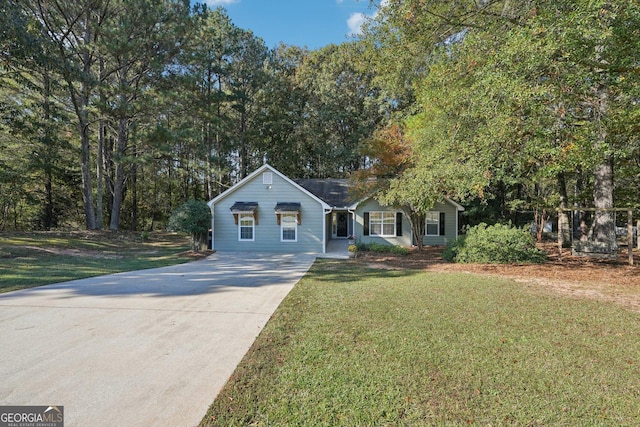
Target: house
x,y
269,212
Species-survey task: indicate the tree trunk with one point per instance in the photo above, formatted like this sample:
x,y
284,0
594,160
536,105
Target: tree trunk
x,y
48,166
208,139
603,224
418,223
564,231
603,221
83,123
118,182
121,146
102,129
134,185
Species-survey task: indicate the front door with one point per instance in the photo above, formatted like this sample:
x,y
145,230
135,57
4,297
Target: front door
x,y
340,226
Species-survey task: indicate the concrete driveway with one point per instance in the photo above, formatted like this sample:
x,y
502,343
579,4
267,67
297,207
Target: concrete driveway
x,y
145,348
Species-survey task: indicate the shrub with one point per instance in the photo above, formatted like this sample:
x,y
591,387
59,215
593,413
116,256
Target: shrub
x,y
192,217
381,248
495,244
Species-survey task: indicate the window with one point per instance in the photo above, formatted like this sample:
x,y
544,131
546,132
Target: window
x,y
433,224
289,227
382,223
246,225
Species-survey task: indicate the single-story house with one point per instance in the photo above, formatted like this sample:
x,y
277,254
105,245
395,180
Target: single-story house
x,y
269,212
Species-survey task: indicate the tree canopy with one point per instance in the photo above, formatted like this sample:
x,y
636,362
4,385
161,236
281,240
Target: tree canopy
x,y
113,113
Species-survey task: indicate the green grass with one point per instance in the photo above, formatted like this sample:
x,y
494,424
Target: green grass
x,y
357,346
35,259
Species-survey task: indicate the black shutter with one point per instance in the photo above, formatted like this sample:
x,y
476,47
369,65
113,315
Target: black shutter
x,y
365,231
441,231
399,224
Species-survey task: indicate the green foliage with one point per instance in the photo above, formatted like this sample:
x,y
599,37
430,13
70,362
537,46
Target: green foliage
x,y
515,102
192,217
495,244
382,248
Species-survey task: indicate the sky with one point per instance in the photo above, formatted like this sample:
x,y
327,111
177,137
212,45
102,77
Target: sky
x,y
310,23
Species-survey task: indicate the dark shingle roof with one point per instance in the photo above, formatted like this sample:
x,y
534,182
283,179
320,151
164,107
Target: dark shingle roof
x,y
244,206
287,207
334,192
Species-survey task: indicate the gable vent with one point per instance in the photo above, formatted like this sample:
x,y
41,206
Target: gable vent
x,y
267,178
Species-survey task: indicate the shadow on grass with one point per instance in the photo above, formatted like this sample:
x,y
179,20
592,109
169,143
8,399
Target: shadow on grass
x,y
217,273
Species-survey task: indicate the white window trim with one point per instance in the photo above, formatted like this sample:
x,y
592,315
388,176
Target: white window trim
x,y
382,234
437,223
284,215
240,226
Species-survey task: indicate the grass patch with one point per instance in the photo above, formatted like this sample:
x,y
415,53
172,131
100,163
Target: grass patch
x,y
41,258
357,346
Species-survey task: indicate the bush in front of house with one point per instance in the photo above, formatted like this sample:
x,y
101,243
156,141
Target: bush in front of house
x,y
192,217
380,248
494,244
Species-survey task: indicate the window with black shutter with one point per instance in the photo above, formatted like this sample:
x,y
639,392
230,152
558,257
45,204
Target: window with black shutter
x,y
365,230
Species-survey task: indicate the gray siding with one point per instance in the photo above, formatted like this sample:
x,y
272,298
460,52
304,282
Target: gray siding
x,y
371,205
267,232
450,226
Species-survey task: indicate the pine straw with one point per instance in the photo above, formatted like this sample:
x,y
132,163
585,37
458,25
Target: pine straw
x,y
611,280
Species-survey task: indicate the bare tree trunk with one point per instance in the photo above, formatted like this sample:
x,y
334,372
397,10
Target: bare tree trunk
x,y
134,184
564,229
418,223
118,182
603,224
102,129
83,119
48,166
121,146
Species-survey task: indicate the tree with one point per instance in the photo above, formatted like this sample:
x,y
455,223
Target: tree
x,y
139,43
72,28
341,110
391,159
283,103
192,217
517,95
207,61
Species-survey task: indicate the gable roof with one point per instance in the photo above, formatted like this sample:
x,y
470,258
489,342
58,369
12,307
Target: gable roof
x,y
330,193
334,192
257,172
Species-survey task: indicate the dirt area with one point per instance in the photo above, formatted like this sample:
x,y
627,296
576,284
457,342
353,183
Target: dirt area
x,y
580,277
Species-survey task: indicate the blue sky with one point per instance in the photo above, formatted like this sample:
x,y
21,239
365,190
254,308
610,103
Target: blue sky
x,y
310,23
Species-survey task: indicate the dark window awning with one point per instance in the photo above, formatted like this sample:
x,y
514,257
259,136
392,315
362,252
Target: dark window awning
x,y
245,208
288,208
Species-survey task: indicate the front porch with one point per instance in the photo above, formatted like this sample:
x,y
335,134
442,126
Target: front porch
x,y
336,249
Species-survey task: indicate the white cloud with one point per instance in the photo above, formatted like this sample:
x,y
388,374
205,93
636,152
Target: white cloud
x,y
220,2
355,22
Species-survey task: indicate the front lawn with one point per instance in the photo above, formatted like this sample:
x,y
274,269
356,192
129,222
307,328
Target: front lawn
x,y
41,258
352,345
